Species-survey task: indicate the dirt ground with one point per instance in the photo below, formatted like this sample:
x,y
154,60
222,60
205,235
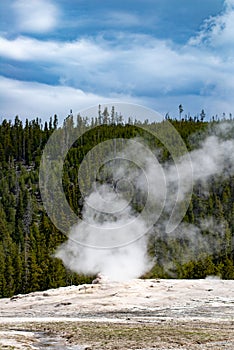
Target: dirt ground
x,y
140,314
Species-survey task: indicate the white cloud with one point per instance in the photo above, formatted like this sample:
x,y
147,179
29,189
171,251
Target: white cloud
x,y
218,32
35,16
229,4
30,49
31,99
145,66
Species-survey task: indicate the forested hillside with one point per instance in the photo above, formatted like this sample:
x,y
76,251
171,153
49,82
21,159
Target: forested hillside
x,y
28,238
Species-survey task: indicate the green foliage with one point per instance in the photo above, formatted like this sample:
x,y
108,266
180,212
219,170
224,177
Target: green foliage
x,y
28,239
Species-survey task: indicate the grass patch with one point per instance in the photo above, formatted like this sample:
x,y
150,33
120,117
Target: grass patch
x,y
118,336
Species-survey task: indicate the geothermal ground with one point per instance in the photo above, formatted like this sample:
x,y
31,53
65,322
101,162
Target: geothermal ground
x,y
141,314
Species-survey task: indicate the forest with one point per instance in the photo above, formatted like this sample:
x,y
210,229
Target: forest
x,y
28,238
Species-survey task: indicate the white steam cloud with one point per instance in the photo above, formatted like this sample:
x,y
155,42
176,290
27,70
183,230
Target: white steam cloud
x,y
113,246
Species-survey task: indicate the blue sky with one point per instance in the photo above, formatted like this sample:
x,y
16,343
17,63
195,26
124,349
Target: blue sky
x,y
73,54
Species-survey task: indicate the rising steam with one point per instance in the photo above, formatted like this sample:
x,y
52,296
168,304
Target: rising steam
x,y
111,246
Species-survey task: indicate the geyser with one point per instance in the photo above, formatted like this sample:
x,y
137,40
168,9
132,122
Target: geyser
x,y
112,237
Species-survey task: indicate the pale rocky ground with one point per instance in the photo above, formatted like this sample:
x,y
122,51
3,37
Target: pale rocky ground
x,y
140,314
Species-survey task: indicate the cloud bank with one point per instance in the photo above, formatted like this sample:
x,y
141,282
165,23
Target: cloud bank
x,y
35,16
156,72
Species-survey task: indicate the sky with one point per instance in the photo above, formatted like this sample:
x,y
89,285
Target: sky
x,y
74,54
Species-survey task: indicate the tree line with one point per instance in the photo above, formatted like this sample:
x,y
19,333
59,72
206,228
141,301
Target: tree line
x,y
28,238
